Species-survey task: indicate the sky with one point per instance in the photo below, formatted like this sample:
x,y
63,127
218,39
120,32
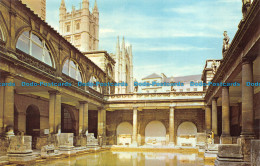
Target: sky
x,y
174,37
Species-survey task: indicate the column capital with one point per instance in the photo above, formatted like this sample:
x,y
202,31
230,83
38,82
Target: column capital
x,y
246,60
54,92
101,107
225,87
215,98
83,102
171,106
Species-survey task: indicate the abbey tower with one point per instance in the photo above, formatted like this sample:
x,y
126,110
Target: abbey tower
x,y
80,27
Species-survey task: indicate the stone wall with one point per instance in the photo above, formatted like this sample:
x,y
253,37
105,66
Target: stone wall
x,y
114,118
22,102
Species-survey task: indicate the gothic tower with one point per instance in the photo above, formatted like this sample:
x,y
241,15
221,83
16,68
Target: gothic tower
x,y
80,27
124,67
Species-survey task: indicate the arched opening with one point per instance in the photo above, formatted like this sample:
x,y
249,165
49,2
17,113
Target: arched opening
x,y
67,121
186,134
29,43
71,68
124,133
155,133
96,84
33,123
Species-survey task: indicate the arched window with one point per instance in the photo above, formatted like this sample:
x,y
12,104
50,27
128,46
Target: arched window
x,y
71,68
31,44
109,71
94,80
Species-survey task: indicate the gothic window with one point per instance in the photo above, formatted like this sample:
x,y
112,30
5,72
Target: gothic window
x,y
71,68
68,27
31,44
109,71
77,25
94,80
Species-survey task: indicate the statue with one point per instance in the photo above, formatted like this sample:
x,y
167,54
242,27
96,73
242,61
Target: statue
x,y
225,43
172,89
136,87
214,67
245,7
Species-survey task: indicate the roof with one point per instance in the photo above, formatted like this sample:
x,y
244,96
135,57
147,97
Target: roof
x,y
154,75
185,78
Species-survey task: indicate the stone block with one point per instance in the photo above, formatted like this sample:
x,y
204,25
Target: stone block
x,y
201,138
41,141
20,149
225,140
80,141
255,152
20,144
65,139
47,150
213,147
232,151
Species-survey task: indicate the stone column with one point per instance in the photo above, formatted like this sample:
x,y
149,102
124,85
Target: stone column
x,y
208,119
214,116
8,107
85,120
225,136
134,141
102,125
54,112
81,117
2,94
247,108
171,126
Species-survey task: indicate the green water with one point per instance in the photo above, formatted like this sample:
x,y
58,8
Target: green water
x,y
108,158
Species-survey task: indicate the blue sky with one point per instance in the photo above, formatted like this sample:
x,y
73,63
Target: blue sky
x,y
174,37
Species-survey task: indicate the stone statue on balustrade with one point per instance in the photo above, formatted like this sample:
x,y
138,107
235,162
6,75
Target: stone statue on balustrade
x,y
245,7
135,88
225,43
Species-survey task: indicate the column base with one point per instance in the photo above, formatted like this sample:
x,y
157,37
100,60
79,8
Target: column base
x,y
225,139
245,142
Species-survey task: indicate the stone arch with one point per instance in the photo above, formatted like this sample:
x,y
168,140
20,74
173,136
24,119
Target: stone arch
x,y
124,133
155,133
93,79
3,28
110,71
186,134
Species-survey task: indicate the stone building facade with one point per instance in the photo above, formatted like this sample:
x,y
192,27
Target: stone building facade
x,y
80,27
40,95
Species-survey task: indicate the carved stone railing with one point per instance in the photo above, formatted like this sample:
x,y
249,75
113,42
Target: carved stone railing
x,y
35,62
92,91
153,96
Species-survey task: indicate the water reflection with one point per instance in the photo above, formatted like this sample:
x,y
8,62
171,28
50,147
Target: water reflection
x,y
129,159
